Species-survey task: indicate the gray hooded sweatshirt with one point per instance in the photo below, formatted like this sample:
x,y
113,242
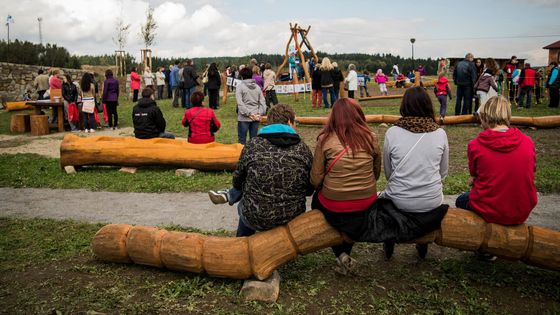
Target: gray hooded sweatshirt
x,y
250,100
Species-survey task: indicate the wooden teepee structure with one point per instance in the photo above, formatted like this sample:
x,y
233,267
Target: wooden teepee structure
x,y
297,32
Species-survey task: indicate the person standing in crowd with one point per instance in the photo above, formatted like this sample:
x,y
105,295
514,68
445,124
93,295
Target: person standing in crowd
x,y
201,121
337,78
526,86
485,87
345,170
395,71
134,84
250,106
147,118
111,99
317,90
174,82
167,74
464,77
500,81
327,81
422,71
502,164
148,78
160,82
442,92
553,84
69,95
269,77
381,79
55,83
214,83
539,77
88,99
257,76
233,75
363,84
351,80
189,83
416,160
479,70
41,83
508,69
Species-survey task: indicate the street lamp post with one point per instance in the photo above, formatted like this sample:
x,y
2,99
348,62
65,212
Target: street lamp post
x,y
412,40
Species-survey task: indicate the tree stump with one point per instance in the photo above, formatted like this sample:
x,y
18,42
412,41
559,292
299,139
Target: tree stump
x,y
20,123
40,125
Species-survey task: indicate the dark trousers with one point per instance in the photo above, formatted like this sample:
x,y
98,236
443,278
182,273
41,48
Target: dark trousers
x,y
176,93
160,92
526,96
464,96
351,94
270,98
554,97
112,114
41,94
329,90
336,89
134,96
538,93
89,121
213,95
442,104
169,90
512,89
246,126
463,201
187,93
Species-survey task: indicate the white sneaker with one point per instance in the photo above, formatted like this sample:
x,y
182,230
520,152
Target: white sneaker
x,y
218,197
86,130
92,130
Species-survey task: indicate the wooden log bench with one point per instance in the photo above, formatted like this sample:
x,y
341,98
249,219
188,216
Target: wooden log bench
x,y
127,151
382,97
14,106
20,123
39,125
262,253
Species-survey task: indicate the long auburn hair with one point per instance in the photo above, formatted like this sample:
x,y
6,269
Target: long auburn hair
x,y
348,122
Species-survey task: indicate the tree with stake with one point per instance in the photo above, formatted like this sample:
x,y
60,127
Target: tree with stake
x,y
148,34
120,40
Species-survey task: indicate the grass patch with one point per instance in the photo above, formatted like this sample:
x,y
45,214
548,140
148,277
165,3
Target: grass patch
x,y
46,266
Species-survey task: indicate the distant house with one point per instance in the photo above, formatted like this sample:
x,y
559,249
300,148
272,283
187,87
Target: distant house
x,y
553,52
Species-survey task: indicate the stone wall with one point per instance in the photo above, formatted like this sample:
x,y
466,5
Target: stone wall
x,y
16,79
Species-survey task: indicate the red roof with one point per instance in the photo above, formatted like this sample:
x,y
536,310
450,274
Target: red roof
x,y
554,45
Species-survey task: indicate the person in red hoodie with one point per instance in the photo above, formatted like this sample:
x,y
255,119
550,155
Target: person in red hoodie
x,y
508,69
502,165
134,84
201,121
526,85
442,91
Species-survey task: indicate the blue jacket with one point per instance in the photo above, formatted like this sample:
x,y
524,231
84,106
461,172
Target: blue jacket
x,y
173,77
553,78
465,73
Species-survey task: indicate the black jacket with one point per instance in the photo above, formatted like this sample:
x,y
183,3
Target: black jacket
x,y
327,78
69,92
214,80
167,73
147,119
465,73
337,76
316,80
189,77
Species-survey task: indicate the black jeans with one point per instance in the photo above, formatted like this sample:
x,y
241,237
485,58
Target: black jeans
x,y
554,97
213,95
270,98
169,90
351,94
526,96
160,92
464,94
134,96
113,116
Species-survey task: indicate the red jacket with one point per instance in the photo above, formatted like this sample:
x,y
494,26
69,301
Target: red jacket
x,y
198,119
442,86
503,165
527,77
511,67
134,81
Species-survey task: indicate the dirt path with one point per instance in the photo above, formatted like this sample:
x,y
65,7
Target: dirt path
x,y
185,209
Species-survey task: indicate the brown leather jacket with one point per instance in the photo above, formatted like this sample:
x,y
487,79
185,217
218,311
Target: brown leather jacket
x,y
351,177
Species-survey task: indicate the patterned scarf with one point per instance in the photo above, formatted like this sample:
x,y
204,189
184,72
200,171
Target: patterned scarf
x,y
417,124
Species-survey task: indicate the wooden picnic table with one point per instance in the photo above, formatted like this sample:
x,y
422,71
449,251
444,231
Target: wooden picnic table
x,y
59,106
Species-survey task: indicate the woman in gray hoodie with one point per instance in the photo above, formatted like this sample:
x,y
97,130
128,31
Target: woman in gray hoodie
x,y
251,106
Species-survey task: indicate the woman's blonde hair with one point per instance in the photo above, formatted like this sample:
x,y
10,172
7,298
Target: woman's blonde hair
x,y
326,64
256,70
496,111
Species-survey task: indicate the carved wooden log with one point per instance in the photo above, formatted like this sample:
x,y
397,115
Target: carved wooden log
x,y
382,97
77,151
260,254
20,123
39,125
13,106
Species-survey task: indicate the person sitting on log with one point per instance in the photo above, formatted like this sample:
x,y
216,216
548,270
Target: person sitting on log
x,y
272,176
346,166
147,118
202,122
502,165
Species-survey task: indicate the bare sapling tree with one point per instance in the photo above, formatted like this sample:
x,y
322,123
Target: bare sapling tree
x,y
148,30
122,33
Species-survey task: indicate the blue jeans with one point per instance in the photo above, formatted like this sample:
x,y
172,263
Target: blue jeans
x,y
464,94
526,92
333,96
463,201
89,121
166,135
187,92
243,127
243,227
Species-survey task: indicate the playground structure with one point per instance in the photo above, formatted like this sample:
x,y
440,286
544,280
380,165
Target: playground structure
x,y
78,151
262,253
295,32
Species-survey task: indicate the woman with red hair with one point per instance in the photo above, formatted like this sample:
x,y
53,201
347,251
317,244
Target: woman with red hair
x,y
346,166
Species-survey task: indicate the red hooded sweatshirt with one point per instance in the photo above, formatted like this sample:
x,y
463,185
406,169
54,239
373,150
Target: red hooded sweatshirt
x,y
441,86
503,165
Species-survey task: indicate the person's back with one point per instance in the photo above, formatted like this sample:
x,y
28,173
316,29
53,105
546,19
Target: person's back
x,y
147,117
110,89
41,82
269,78
464,73
201,121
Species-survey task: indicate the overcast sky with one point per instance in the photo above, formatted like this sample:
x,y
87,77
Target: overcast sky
x,y
198,28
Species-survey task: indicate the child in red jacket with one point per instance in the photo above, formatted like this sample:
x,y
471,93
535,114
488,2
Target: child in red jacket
x,y
442,91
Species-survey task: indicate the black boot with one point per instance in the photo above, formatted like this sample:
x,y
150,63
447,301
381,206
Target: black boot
x,y
422,250
388,248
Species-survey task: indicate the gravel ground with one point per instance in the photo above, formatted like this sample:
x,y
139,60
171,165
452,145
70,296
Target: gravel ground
x,y
186,209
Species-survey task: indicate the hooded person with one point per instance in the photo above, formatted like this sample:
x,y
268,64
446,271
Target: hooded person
x,y
251,105
147,118
442,91
502,165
